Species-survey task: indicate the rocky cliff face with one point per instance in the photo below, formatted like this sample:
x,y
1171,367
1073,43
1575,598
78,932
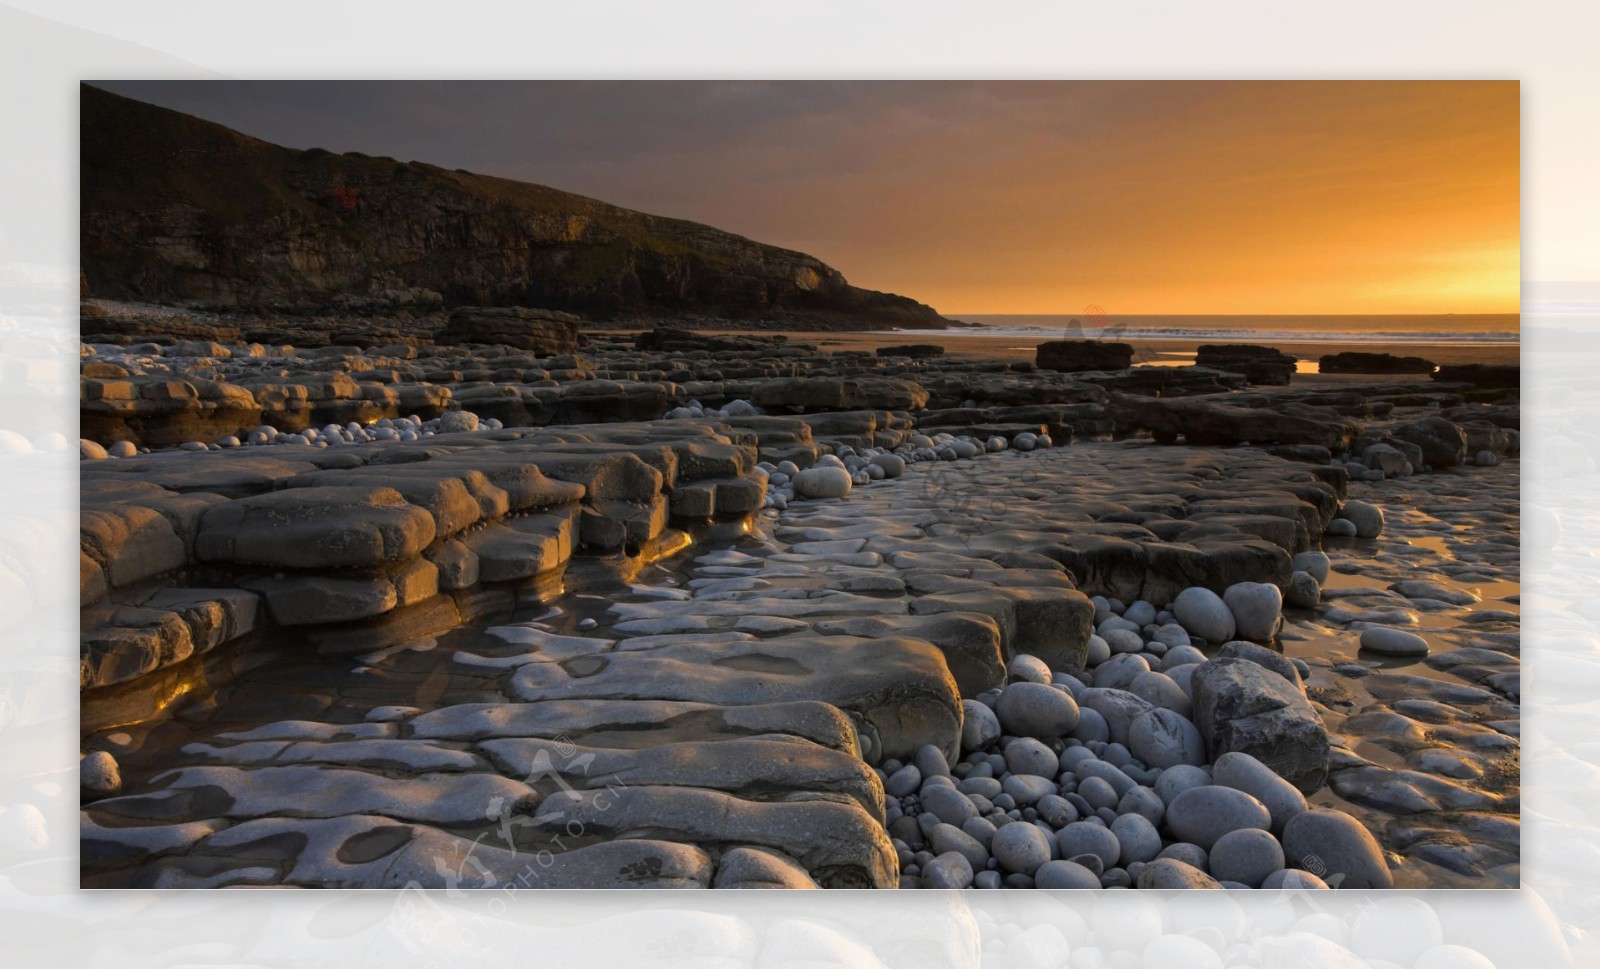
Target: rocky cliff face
x,y
176,210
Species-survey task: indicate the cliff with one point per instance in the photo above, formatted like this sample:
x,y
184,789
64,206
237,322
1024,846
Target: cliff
x,y
180,211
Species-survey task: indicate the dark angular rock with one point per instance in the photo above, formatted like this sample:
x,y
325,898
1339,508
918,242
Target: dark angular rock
x,y
1483,375
1259,365
1242,706
1083,355
1359,362
1442,443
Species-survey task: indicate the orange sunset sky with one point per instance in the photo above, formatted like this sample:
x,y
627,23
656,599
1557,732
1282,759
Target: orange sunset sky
x,y
998,197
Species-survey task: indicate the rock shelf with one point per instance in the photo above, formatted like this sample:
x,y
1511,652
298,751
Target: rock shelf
x,y
627,652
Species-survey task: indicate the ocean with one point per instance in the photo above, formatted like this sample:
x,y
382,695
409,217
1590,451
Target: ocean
x,y
1449,328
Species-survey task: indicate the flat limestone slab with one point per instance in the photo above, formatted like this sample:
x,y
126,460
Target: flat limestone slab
x,y
836,841
900,688
757,767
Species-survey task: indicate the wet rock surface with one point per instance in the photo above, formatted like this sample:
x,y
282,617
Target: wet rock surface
x,y
915,641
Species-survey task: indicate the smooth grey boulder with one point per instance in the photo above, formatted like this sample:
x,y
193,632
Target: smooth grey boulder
x,y
948,870
1205,814
1036,711
1178,779
1118,672
1257,610
931,762
1089,838
1021,847
1056,811
1026,790
1162,691
1366,517
945,837
823,481
1393,643
1313,562
1170,873
1242,706
1065,874
948,804
1138,838
1180,656
1030,756
1162,738
1303,591
1117,707
1293,879
1204,614
979,726
1107,772
1092,726
1336,848
1187,852
1246,855
1235,769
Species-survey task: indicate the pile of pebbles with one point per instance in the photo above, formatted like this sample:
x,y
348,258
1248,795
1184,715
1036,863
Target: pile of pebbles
x,y
832,476
694,409
384,429
1044,797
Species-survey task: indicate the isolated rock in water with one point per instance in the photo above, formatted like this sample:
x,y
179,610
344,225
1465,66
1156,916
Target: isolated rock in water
x,y
1483,375
1204,614
1242,706
915,351
1335,847
1313,562
1359,362
823,482
1257,610
1393,643
1366,517
1205,814
1304,591
1083,355
1259,365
